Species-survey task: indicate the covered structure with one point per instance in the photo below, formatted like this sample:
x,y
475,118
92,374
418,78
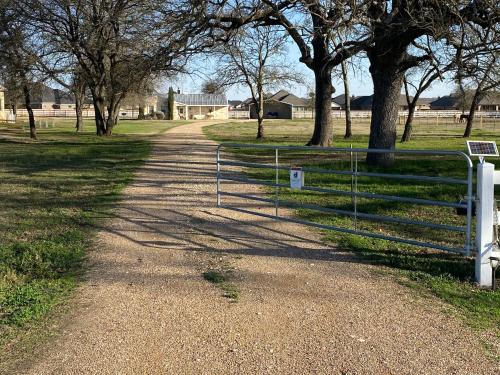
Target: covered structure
x,y
197,106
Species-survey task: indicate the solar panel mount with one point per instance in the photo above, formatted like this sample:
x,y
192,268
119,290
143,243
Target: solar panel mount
x,y
482,148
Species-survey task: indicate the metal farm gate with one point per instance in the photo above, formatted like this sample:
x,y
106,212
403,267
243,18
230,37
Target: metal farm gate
x,y
273,167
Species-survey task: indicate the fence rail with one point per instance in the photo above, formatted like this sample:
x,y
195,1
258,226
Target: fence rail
x,y
228,176
338,114
70,113
239,114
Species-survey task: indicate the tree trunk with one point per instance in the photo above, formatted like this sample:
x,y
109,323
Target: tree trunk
x,y
79,113
113,113
347,95
323,130
141,113
99,109
387,82
409,122
110,123
472,112
31,116
260,117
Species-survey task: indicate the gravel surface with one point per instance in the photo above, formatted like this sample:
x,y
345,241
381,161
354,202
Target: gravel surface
x,y
304,307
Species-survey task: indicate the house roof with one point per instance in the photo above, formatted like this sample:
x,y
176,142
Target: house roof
x,y
201,99
46,94
340,99
284,96
234,103
279,96
362,101
247,101
492,98
63,97
447,101
426,100
366,100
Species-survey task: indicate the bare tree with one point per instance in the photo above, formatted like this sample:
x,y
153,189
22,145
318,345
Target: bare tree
x,y
211,86
385,30
16,57
479,66
347,101
117,45
78,88
310,24
418,79
256,58
65,71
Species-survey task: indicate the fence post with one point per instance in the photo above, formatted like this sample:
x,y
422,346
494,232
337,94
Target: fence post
x,y
484,227
276,189
218,176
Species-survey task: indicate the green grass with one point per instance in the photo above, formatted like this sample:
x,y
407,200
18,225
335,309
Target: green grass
x,y
447,276
126,127
52,194
221,279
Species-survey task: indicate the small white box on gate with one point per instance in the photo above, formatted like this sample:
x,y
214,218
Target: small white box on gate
x,y
296,178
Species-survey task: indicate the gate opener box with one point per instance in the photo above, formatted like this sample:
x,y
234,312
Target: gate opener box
x,y
296,178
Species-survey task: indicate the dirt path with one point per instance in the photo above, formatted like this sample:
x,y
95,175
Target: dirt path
x,y
304,308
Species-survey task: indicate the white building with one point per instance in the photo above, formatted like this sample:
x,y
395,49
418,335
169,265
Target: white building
x,y
197,106
3,114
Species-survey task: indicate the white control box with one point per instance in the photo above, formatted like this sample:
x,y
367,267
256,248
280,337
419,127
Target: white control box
x,y
296,178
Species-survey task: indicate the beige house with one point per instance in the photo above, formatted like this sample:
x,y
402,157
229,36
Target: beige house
x,y
134,101
490,103
197,106
283,105
3,114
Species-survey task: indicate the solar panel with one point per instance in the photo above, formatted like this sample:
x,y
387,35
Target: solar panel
x,y
482,148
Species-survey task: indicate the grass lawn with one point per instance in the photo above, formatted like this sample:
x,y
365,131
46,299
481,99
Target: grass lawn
x,y
51,195
448,276
137,127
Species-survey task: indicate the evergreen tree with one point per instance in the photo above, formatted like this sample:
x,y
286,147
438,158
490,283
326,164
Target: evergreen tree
x,y
170,103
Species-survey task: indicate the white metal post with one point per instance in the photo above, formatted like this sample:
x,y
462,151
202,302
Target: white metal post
x,y
276,188
484,227
218,176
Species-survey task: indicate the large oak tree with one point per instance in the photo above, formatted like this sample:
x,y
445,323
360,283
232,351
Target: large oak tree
x,y
383,29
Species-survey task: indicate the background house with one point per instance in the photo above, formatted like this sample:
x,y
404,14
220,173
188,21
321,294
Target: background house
x,y
490,103
448,102
45,97
364,103
282,105
340,100
197,106
234,104
133,102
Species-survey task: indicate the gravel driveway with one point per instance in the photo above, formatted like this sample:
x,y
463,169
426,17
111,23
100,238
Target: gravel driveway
x,y
304,308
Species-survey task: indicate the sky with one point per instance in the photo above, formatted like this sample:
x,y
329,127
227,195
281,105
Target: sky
x,y
360,81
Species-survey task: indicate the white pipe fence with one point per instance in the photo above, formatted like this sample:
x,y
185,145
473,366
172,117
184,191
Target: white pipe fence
x,y
242,114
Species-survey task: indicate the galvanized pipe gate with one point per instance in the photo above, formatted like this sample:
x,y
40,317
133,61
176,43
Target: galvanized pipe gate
x,y
466,205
